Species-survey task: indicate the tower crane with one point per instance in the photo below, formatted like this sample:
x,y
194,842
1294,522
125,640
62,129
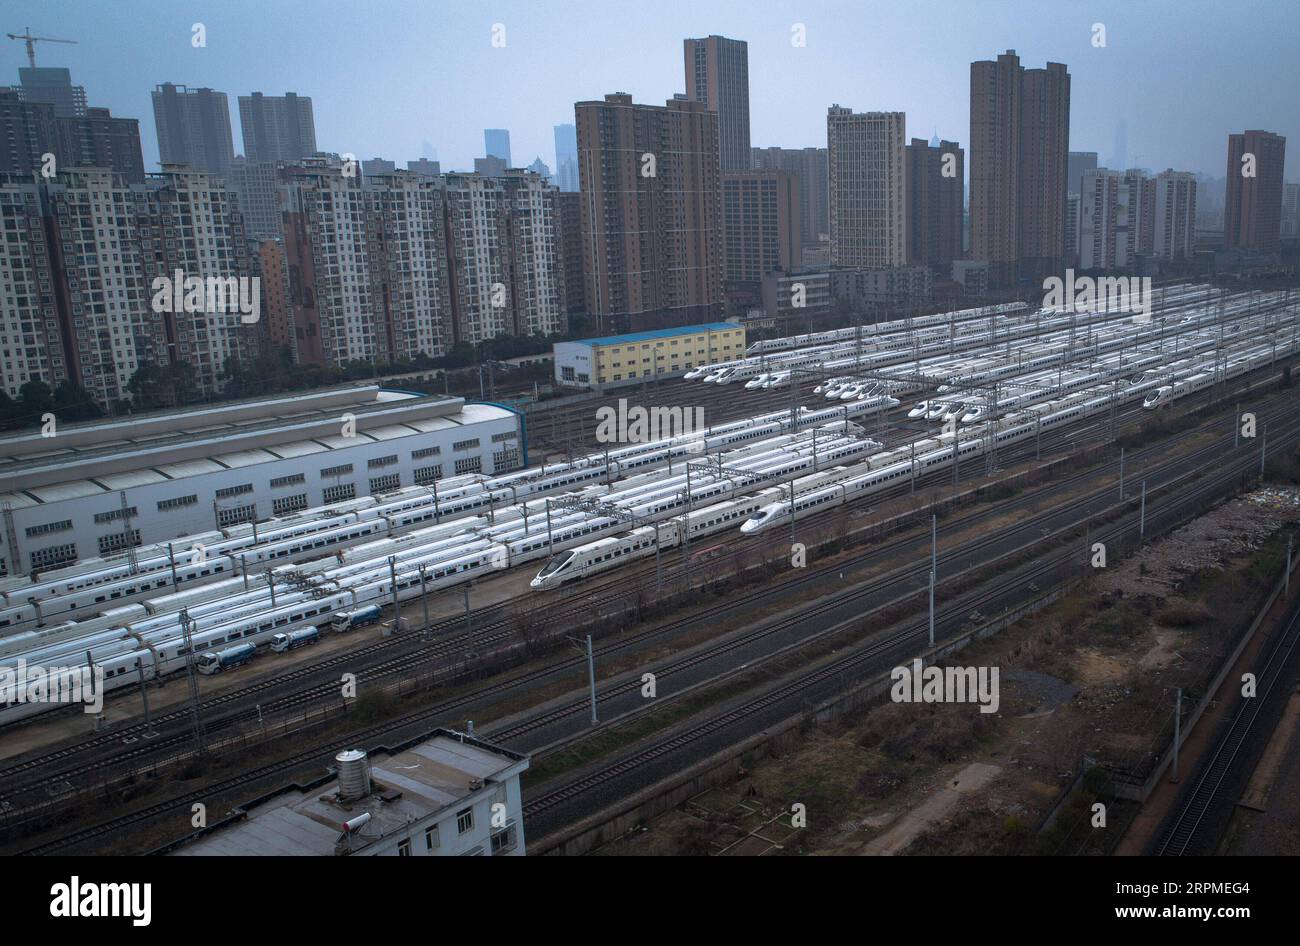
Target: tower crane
x,y
31,42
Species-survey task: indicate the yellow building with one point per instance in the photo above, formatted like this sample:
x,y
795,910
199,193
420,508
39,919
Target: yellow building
x,y
618,359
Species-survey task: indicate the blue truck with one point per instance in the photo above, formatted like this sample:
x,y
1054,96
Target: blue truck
x,y
225,659
347,620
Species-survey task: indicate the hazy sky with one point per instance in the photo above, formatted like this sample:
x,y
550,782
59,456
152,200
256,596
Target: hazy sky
x,y
385,77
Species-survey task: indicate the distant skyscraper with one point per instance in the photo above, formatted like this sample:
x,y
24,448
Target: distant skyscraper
x,y
867,187
539,168
566,158
54,87
496,144
277,127
1175,214
652,242
1019,146
1076,164
491,166
376,166
193,128
935,201
1253,208
809,166
717,74
424,167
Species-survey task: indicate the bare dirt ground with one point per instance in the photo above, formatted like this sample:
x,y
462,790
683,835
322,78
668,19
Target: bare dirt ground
x,y
1092,676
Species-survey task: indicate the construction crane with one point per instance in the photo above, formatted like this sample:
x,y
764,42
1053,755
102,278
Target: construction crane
x,y
31,41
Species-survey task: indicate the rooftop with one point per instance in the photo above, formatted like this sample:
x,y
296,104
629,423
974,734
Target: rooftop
x,y
433,774
657,333
107,455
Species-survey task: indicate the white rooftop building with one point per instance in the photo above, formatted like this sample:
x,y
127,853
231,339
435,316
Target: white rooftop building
x,y
445,796
95,489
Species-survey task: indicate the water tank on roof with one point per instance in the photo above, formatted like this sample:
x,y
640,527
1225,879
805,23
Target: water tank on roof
x,y
354,774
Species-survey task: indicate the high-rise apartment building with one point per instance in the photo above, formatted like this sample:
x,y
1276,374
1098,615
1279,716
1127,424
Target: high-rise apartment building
x,y
328,248
1174,214
31,333
566,158
717,74
760,215
1116,216
506,277
193,128
402,265
257,186
94,138
935,203
95,243
1253,208
651,211
53,86
809,165
569,204
1019,147
867,184
277,127
1076,163
496,144
193,226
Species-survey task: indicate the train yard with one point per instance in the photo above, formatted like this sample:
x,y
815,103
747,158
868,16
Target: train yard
x,y
866,427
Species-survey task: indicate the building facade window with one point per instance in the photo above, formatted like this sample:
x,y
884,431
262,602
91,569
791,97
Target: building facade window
x,y
375,463
291,480
424,475
469,465
228,491
385,484
341,470
464,820
334,494
116,541
177,502
49,527
289,504
54,555
235,514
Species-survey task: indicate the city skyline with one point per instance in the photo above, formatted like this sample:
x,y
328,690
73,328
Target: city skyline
x,y
1132,88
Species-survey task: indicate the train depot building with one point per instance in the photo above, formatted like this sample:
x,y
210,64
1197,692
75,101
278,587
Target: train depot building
x,y
623,359
96,489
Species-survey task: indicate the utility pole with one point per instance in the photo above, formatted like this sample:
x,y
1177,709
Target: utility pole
x,y
424,600
1142,521
397,605
196,723
1121,473
144,698
931,607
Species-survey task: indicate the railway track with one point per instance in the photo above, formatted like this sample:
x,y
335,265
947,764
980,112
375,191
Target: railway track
x,y
868,657
128,747
425,715
1194,826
